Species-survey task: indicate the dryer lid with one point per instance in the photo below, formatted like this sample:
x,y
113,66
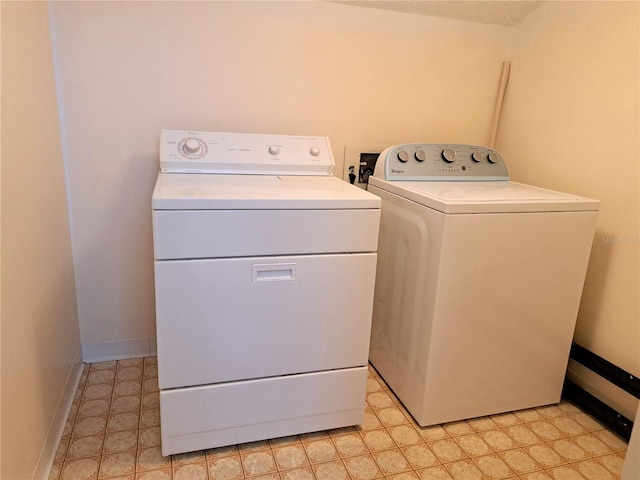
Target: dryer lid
x,y
260,192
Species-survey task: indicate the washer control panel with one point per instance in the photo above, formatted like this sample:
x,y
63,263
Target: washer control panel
x,y
440,162
244,153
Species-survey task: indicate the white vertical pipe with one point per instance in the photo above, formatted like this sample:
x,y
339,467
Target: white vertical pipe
x,y
504,77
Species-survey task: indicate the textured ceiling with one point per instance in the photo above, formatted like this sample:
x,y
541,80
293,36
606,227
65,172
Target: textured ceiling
x,y
496,12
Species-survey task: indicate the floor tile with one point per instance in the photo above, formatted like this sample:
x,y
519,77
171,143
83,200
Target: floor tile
x,y
113,433
391,416
519,461
464,470
377,440
189,457
542,475
457,428
371,421
498,439
320,451
404,476
92,408
117,464
586,421
592,470
565,472
405,435
120,441
544,455
162,474
391,462
493,467
330,471
420,456
362,468
435,473
350,445
152,459
90,426
546,430
522,435
297,474
613,463
482,424
258,463
506,419
611,440
569,450
435,432
592,444
81,469
290,456
379,400
191,471
226,468
81,447
473,445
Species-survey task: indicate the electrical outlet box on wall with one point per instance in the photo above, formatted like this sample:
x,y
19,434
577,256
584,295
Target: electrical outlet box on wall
x,y
359,163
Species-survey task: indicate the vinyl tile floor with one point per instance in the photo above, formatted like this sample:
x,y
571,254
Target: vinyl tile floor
x,y
113,432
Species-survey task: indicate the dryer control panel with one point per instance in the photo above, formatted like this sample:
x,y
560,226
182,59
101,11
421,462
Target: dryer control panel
x,y
440,162
244,153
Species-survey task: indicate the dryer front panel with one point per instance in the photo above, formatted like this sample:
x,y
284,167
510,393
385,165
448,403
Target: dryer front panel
x,y
179,234
221,320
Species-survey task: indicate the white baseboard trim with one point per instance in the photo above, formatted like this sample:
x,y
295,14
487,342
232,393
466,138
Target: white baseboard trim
x,y
119,350
56,430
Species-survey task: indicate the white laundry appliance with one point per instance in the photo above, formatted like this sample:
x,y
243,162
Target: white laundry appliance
x,y
478,282
264,277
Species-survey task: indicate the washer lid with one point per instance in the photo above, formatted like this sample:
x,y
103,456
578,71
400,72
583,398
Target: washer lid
x,y
174,191
486,197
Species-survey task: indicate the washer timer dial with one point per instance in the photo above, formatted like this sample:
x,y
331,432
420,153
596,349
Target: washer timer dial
x,y
449,155
403,156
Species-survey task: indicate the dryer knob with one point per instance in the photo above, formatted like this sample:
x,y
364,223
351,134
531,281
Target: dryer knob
x,y
420,155
449,155
191,146
274,150
493,157
403,156
315,151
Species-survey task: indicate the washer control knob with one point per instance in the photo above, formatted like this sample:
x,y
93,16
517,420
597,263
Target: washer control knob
x,y
420,155
403,156
315,151
492,157
476,157
192,146
274,150
449,155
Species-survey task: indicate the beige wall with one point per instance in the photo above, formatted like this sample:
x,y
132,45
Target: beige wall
x,y
360,76
571,122
39,338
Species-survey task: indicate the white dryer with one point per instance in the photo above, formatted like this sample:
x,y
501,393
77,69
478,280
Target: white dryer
x,y
264,276
478,283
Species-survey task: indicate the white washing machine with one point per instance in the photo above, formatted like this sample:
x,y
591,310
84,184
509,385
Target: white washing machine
x,y
478,282
264,276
